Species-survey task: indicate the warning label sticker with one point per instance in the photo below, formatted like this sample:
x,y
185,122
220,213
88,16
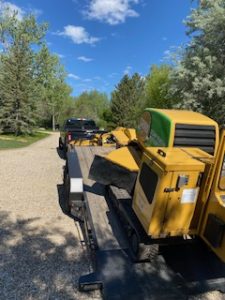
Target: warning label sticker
x,y
189,195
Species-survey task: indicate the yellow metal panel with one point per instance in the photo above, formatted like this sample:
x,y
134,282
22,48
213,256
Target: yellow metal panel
x,y
159,206
172,209
175,159
124,157
143,208
198,154
179,211
131,134
124,136
121,138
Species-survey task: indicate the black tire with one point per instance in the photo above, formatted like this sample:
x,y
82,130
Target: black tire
x,y
64,150
60,144
142,252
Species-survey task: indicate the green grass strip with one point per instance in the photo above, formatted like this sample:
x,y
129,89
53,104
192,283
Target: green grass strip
x,y
10,141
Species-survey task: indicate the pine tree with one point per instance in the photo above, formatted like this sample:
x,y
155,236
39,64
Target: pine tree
x,y
17,113
128,101
18,90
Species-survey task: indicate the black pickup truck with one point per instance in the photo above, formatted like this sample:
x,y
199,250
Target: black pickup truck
x,y
74,129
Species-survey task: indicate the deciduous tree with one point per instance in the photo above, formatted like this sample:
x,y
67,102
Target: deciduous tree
x,y
199,78
53,90
157,87
91,105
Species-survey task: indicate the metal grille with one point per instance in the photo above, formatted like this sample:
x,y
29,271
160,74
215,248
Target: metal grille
x,y
198,136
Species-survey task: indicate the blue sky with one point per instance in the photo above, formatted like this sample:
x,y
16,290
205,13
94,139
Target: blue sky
x,y
99,41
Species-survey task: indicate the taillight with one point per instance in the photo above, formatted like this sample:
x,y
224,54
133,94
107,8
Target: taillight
x,y
69,136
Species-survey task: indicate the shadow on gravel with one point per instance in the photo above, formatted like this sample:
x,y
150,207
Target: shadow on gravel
x,y
61,153
37,263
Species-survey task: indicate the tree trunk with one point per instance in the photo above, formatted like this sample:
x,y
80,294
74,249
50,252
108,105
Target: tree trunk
x,y
53,118
53,122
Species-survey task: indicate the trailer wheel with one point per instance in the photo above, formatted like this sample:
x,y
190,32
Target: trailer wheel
x,y
60,144
142,252
64,149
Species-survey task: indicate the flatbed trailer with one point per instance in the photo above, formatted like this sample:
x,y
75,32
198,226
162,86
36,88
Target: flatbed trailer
x,y
177,271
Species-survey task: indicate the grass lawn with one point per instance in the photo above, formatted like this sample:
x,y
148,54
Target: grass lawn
x,y
9,141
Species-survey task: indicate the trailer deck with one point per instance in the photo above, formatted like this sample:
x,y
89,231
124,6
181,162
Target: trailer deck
x,y
177,271
107,233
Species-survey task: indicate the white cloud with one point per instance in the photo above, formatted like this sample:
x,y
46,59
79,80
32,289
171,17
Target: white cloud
x,y
73,76
84,58
127,70
112,12
87,80
78,35
10,9
164,38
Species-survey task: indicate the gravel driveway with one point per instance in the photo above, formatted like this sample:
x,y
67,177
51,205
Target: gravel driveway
x,y
41,254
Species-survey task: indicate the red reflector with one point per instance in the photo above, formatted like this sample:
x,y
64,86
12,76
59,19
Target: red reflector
x,y
69,136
